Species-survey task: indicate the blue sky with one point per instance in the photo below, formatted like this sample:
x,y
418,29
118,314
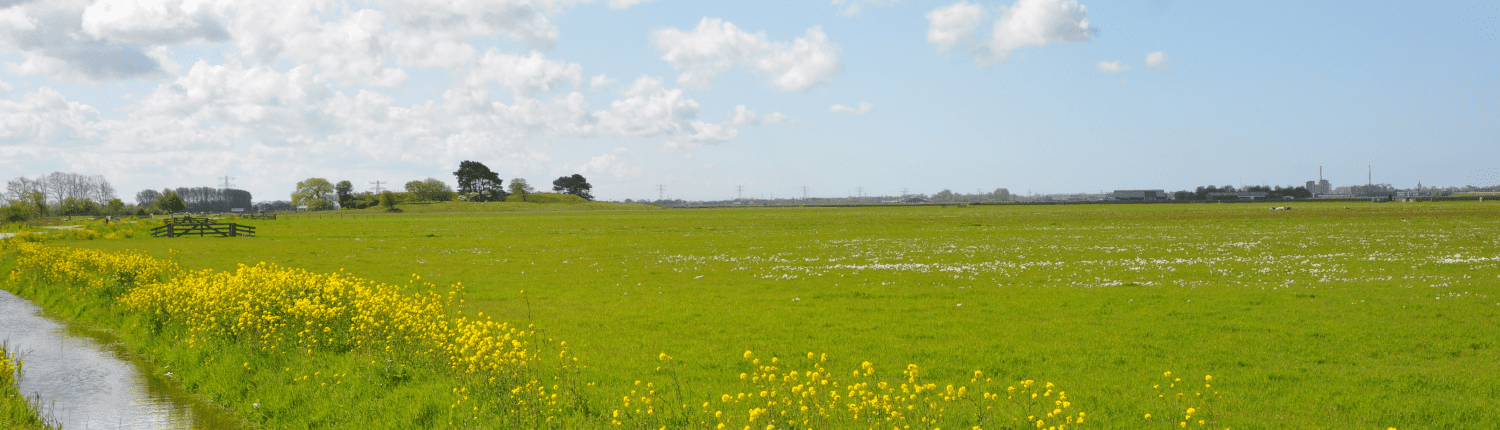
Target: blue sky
x,y
1045,96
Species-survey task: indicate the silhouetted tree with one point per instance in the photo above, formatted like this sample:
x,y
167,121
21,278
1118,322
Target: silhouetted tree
x,y
474,177
345,190
575,185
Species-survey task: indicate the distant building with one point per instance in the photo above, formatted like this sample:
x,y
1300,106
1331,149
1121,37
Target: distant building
x,y
1322,186
1149,195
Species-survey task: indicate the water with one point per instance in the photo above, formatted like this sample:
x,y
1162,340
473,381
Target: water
x,y
87,383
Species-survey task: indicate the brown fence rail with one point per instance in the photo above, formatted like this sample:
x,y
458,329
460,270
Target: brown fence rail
x,y
203,229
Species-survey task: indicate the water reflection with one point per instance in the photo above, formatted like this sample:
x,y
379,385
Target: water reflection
x,y
86,383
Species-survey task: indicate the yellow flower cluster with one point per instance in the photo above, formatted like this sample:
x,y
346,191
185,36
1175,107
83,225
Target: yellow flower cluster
x,y
108,273
293,311
776,396
1173,395
9,368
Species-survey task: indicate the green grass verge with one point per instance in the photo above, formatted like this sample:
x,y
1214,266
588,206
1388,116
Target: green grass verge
x,y
560,205
1333,315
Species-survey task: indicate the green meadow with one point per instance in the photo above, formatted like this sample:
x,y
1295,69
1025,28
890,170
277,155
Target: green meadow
x,y
1331,315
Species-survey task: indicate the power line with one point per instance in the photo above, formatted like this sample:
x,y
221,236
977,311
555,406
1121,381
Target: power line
x,y
226,179
741,190
804,192
660,189
377,185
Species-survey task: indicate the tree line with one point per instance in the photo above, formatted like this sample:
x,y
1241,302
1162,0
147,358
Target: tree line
x,y
476,183
1277,192
59,193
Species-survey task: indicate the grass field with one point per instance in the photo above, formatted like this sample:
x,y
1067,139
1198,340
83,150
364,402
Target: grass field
x,y
1332,315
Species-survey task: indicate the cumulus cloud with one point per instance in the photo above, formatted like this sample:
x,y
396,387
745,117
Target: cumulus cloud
x,y
296,88
622,4
600,81
863,108
1112,67
47,118
741,115
1158,60
1026,23
50,37
608,164
953,25
855,7
775,118
155,22
716,46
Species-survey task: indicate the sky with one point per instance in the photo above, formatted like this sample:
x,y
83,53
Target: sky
x,y
711,100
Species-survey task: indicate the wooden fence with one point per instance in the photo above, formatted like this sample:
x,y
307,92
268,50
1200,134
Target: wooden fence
x,y
188,226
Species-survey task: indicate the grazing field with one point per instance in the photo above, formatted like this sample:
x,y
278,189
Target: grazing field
x,y
1331,315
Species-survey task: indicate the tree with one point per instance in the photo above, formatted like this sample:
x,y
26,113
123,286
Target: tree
x,y
519,187
16,211
474,177
345,190
430,189
37,200
388,201
116,207
146,197
575,185
170,202
315,193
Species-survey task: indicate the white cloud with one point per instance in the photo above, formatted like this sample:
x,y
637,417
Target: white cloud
x,y
715,46
607,164
1158,60
290,89
46,118
1026,23
622,4
863,108
953,25
855,7
600,81
743,116
523,76
775,118
1112,67
155,22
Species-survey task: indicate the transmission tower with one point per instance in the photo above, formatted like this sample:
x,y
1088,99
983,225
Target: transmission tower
x,y
804,192
227,182
377,186
660,191
741,190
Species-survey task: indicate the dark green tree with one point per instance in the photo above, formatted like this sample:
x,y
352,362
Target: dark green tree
x,y
116,207
388,201
474,177
345,190
575,185
170,202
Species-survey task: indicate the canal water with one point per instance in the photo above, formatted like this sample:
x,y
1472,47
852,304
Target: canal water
x,y
86,382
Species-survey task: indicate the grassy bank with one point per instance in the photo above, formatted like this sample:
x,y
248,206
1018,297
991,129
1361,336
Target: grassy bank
x,y
1333,315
